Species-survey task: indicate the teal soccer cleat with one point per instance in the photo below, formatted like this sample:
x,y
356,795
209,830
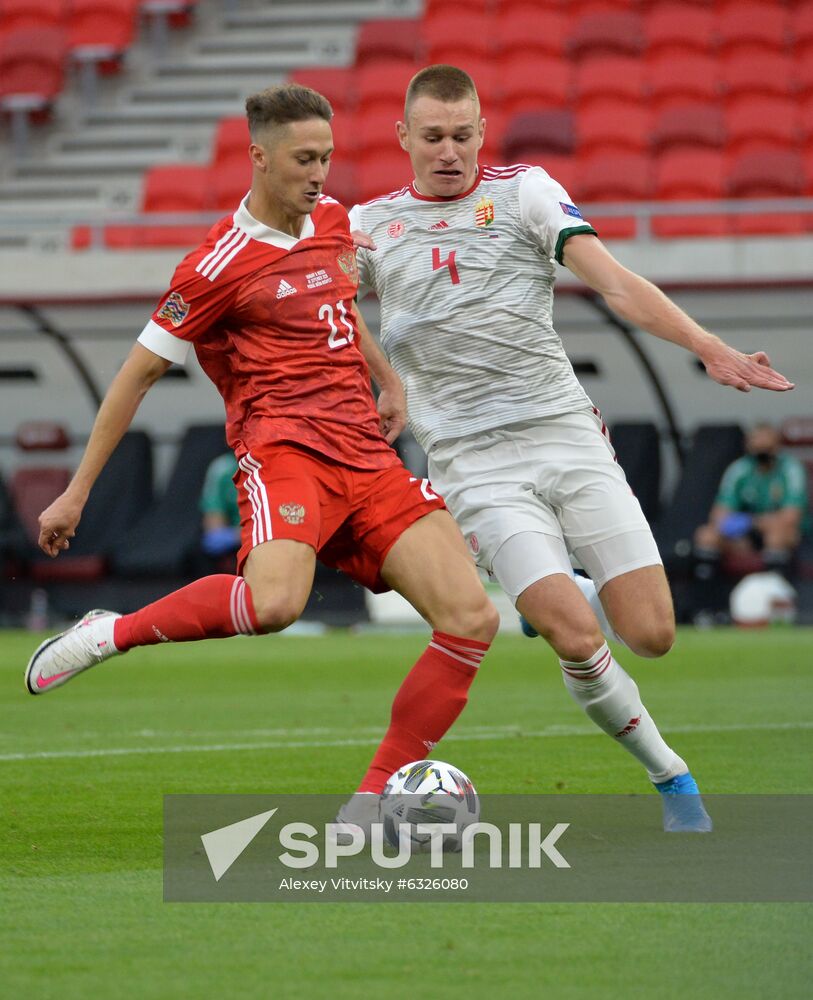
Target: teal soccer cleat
x,y
683,809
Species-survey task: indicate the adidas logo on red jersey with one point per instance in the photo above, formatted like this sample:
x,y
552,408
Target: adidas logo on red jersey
x,y
285,289
443,224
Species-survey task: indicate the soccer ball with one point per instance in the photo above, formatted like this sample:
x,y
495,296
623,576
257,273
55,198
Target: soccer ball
x,y
763,599
428,791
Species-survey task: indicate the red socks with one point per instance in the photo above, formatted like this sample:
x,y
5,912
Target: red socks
x,y
431,697
212,608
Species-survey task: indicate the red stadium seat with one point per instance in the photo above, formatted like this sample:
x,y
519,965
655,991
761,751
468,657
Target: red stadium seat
x,y
674,77
375,132
31,76
382,175
532,83
615,33
529,28
751,22
538,134
609,76
33,14
176,187
388,39
383,84
753,70
683,174
105,24
450,37
33,489
691,123
613,125
228,185
766,173
613,177
31,63
678,27
99,33
760,119
231,141
337,84
341,183
690,174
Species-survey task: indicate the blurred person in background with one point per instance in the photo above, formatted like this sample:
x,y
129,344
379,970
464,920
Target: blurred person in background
x,y
220,509
762,506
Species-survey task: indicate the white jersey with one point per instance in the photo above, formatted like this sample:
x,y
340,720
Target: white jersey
x,y
466,291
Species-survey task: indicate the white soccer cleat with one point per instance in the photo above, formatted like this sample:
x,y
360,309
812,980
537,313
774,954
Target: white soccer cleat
x,y
359,813
65,655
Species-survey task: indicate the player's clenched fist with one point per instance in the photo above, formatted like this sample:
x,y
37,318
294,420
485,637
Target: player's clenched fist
x,y
58,525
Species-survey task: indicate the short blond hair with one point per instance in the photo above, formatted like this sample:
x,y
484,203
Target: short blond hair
x,y
443,83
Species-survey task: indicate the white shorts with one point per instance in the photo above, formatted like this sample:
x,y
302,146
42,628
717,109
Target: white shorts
x,y
555,477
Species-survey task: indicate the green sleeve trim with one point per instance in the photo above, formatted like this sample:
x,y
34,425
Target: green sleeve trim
x,y
565,235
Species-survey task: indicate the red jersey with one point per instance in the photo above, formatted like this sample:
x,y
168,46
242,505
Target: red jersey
x,y
270,317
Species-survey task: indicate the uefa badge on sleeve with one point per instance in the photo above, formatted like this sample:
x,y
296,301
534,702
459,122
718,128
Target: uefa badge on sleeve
x,y
174,309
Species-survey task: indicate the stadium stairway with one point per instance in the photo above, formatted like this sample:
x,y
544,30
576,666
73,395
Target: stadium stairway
x,y
165,106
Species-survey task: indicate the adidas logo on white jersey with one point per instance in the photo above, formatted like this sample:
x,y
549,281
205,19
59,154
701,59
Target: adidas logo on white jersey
x,y
443,224
285,289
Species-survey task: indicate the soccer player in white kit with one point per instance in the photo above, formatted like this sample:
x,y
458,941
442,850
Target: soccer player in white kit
x,y
463,266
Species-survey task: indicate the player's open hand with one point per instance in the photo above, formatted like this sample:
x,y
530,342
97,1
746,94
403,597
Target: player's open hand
x,y
58,525
362,240
742,371
392,409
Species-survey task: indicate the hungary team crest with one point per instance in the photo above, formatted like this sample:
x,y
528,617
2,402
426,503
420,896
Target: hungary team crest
x,y
484,212
347,262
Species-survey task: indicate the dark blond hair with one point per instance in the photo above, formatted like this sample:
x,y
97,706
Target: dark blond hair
x,y
443,83
286,103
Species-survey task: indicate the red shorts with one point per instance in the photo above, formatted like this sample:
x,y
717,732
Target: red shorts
x,y
351,517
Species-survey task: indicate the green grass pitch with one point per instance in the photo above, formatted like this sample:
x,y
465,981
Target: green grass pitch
x,y
83,771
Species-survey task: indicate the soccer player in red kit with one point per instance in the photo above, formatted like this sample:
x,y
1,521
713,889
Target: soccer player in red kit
x,y
267,302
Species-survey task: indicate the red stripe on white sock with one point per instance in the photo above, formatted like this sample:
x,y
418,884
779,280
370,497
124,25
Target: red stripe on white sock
x,y
591,669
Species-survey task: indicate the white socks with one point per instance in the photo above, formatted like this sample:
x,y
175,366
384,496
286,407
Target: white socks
x,y
611,699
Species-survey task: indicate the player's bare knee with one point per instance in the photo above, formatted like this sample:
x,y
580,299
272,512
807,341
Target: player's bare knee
x,y
653,640
476,619
573,644
276,612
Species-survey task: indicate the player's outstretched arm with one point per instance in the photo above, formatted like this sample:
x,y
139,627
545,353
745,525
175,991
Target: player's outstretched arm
x,y
392,406
643,304
141,370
